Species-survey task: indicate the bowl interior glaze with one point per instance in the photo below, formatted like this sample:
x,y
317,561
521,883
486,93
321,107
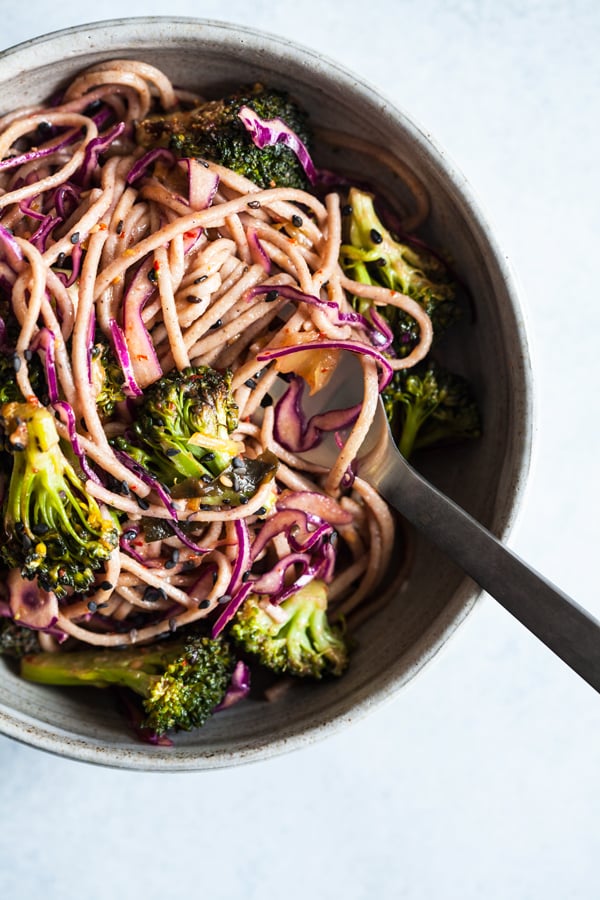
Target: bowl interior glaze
x,y
486,476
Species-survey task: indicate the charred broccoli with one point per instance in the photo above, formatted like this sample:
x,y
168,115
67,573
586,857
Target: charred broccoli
x,y
372,256
107,378
9,389
16,640
53,529
214,131
295,637
181,681
183,425
429,405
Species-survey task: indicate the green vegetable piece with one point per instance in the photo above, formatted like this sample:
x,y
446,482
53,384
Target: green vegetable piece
x,y
181,681
372,256
429,405
183,425
53,530
107,378
295,637
213,131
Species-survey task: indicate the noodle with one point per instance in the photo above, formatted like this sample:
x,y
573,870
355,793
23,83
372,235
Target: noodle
x,y
223,283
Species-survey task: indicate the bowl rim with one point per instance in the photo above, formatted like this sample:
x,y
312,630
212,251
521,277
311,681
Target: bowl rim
x,y
53,739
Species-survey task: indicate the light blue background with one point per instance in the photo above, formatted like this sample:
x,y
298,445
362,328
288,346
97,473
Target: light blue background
x,y
481,781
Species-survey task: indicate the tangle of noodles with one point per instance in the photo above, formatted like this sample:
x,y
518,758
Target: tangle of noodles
x,y
82,229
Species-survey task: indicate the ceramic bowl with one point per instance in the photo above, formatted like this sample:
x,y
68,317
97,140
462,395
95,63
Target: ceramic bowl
x,y
486,476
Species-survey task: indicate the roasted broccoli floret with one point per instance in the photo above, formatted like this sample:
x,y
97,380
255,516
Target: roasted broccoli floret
x,y
214,131
429,405
295,637
372,256
181,681
9,389
53,529
17,641
107,378
183,425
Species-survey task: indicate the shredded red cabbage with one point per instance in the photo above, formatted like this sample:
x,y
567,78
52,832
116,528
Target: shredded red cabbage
x,y
144,364
144,162
239,686
130,387
10,250
258,253
230,609
353,346
67,415
93,150
290,427
44,343
267,132
202,183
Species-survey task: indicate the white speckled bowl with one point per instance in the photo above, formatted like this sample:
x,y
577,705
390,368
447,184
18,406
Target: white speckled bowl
x,y
486,477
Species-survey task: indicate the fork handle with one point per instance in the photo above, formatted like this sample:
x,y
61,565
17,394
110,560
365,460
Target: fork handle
x,y
553,617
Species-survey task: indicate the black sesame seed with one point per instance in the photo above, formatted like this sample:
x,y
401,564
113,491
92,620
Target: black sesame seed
x,y
106,586
200,279
214,576
217,324
261,510
74,237
20,528
208,457
191,298
172,451
271,297
152,276
60,259
381,262
226,501
224,599
28,355
203,604
129,535
101,605
243,500
17,446
205,506
175,556
250,383
26,542
125,488
346,210
16,362
238,463
297,221
150,594
254,204
246,577
142,502
92,606
170,564
375,236
119,228
266,401
206,479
